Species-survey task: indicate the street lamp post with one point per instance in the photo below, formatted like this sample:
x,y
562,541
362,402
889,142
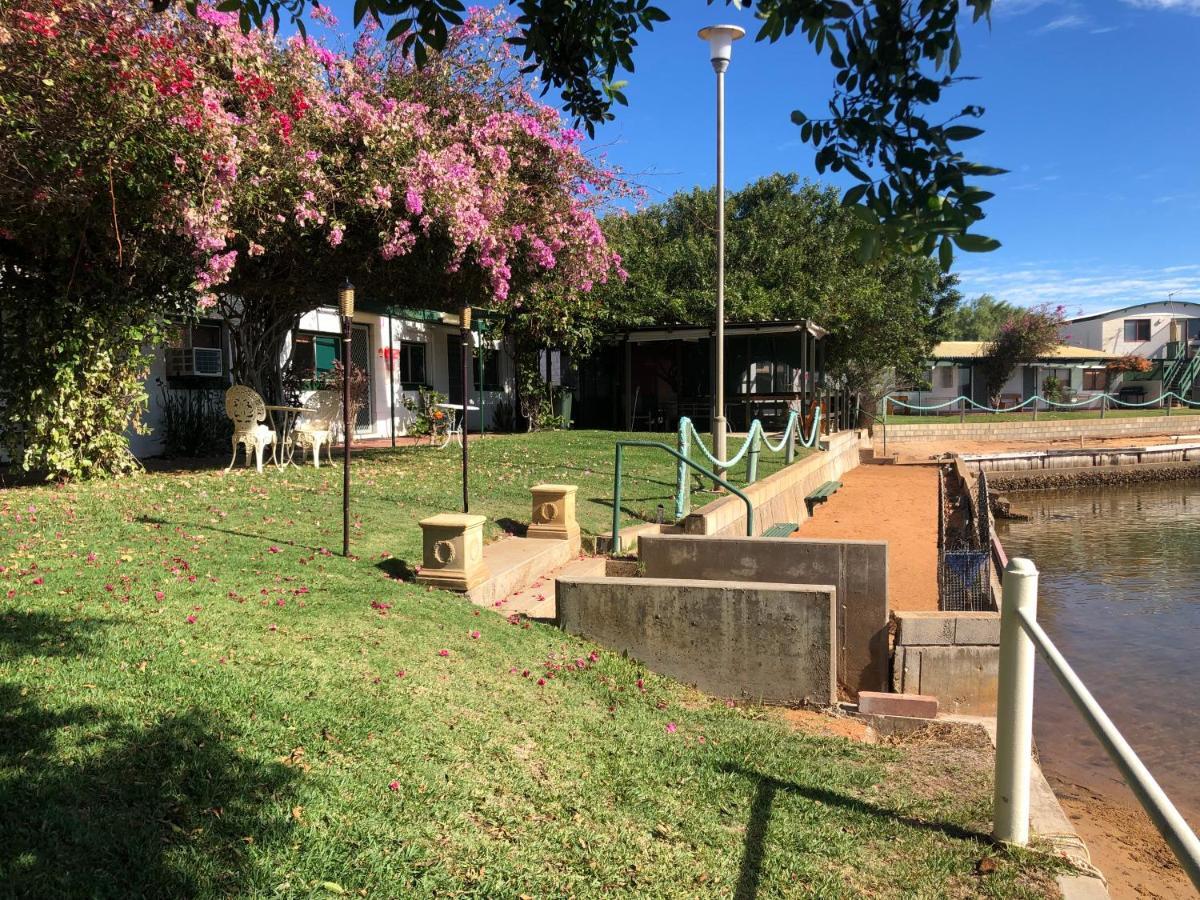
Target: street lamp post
x,y
720,40
346,308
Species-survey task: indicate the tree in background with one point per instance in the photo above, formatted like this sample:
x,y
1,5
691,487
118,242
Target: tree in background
x,y
156,163
887,124
978,319
791,254
1024,337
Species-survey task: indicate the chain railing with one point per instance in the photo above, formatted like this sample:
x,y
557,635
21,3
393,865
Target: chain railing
x,y
756,439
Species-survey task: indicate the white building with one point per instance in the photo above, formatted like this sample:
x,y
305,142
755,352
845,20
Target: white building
x,y
401,353
955,369
1167,332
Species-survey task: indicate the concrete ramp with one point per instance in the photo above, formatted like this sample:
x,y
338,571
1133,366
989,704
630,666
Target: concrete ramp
x,y
770,643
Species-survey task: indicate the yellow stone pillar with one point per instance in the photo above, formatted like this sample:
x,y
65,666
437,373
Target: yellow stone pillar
x,y
453,551
554,513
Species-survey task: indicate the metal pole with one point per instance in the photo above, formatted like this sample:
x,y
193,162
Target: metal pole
x,y
345,435
479,371
465,358
1014,706
616,523
962,410
392,374
719,393
1158,806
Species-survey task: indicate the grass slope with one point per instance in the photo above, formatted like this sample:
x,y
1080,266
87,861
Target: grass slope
x,y
200,701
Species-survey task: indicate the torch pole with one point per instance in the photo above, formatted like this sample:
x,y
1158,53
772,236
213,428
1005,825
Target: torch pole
x,y
345,435
465,360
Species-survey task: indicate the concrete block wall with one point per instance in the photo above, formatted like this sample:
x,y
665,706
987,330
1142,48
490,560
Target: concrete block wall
x,y
954,656
780,496
768,643
1039,431
857,569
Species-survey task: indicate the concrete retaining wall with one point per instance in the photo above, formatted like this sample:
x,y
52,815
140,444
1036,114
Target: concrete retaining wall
x,y
1052,479
780,496
1062,429
756,641
954,656
857,569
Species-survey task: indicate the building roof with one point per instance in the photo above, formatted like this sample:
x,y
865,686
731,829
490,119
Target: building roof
x,y
646,333
1191,304
977,349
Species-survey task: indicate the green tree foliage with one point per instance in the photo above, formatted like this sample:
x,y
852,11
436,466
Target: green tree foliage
x,y
791,254
887,123
1024,337
977,319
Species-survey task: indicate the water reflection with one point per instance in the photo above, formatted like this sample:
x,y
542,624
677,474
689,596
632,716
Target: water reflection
x,y
1120,596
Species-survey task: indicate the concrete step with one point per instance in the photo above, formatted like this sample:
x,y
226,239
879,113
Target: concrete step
x,y
538,600
516,565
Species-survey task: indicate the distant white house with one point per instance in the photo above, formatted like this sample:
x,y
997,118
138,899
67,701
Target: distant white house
x,y
955,369
1167,332
401,354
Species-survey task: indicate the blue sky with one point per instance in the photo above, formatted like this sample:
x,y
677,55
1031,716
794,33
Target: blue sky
x,y
1093,106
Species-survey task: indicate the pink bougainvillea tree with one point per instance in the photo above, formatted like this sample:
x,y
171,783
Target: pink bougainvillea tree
x,y
156,164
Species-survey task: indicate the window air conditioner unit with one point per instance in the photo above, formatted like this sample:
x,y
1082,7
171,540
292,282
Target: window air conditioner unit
x,y
207,361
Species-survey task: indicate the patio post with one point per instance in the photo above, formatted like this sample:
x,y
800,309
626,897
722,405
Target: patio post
x,y
392,373
346,308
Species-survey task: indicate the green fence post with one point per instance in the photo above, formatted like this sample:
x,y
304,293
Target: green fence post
x,y
1034,405
755,447
962,410
616,525
789,449
1103,404
682,495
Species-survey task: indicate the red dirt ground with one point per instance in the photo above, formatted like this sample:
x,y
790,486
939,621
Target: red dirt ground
x,y
897,504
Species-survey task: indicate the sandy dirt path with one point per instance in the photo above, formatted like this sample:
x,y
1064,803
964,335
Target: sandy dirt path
x,y
897,504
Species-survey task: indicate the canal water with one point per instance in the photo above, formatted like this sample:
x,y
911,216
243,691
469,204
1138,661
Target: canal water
x,y
1120,596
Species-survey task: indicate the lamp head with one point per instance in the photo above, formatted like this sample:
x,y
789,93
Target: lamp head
x,y
346,299
464,318
720,43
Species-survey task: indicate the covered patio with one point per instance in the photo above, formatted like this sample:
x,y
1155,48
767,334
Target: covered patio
x,y
645,379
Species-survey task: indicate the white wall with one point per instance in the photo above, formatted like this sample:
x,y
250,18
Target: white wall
x,y
1108,333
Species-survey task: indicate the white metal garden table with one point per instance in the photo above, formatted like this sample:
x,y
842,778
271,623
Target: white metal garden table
x,y
455,431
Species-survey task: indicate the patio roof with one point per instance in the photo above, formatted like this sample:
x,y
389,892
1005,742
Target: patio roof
x,y
683,332
973,350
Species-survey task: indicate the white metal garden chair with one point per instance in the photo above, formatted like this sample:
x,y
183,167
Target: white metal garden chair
x,y
314,428
246,408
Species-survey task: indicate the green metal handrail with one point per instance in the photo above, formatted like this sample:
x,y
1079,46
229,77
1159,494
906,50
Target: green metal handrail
x,y
621,445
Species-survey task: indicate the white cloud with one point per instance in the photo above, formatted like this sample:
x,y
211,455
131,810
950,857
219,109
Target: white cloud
x,y
1082,290
1071,20
1188,6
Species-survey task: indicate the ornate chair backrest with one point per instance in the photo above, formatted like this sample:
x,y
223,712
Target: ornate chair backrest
x,y
322,410
245,407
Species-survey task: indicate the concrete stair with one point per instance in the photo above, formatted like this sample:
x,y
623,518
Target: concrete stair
x,y
537,601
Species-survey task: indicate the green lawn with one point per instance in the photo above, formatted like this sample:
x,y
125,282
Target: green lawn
x,y
1042,416
198,700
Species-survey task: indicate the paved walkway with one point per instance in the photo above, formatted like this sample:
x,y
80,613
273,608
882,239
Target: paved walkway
x,y
897,504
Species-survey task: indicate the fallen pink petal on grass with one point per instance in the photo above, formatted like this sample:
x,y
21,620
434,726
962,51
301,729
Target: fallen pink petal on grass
x,y
443,652
671,728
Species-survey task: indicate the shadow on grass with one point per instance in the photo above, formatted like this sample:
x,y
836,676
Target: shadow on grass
x,y
397,568
92,805
283,542
766,789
